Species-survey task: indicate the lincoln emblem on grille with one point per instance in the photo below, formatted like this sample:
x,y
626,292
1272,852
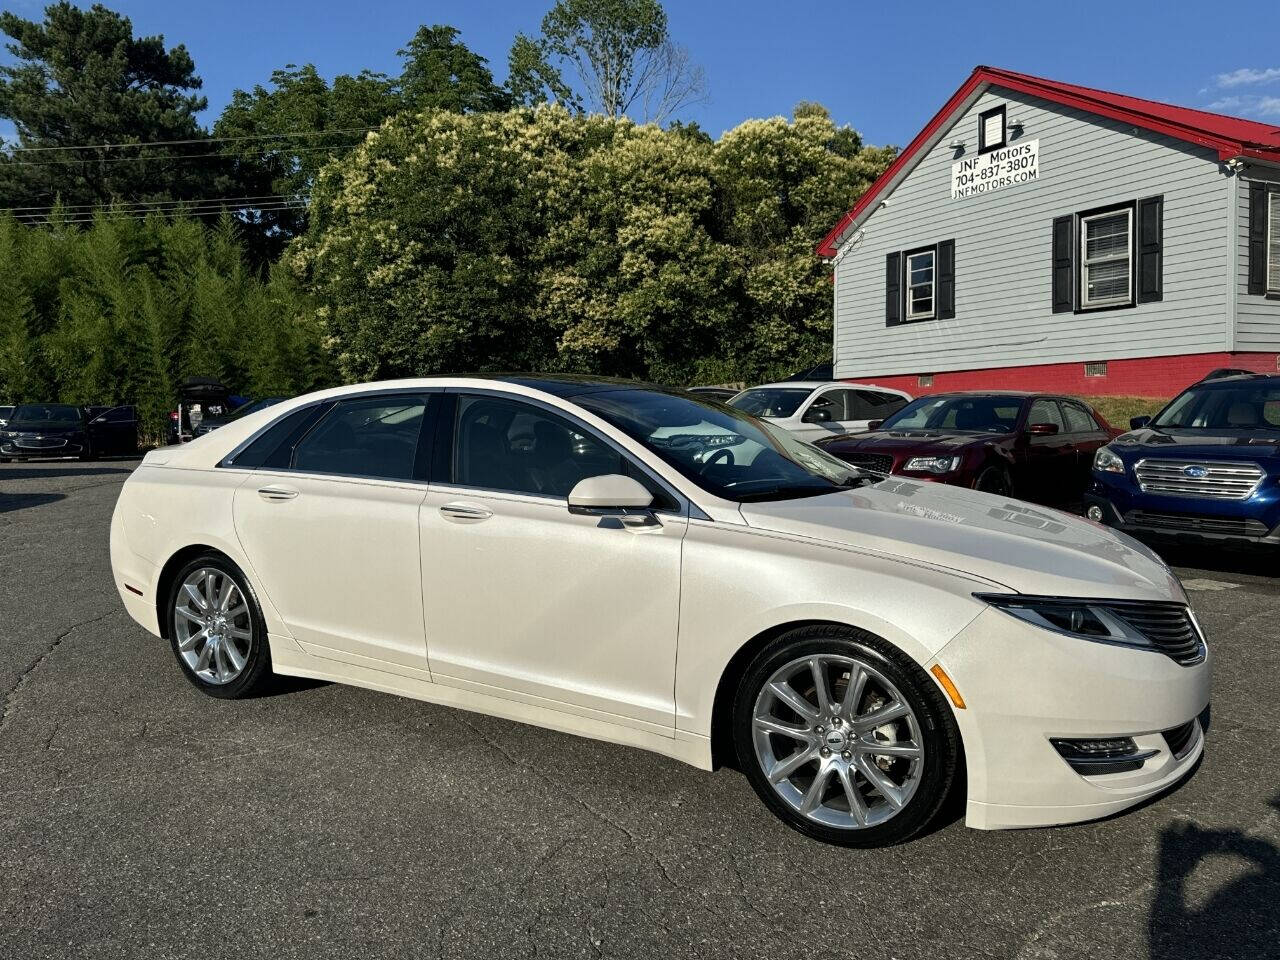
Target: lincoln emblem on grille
x,y
1195,471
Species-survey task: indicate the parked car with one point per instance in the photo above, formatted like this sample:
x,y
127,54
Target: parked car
x,y
198,398
61,430
722,394
1206,468
539,549
1037,447
209,424
812,410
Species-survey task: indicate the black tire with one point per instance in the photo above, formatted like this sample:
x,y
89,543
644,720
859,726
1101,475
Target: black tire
x,y
995,479
88,453
940,738
256,673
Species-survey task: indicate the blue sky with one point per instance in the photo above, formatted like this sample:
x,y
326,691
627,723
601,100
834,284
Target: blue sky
x,y
883,67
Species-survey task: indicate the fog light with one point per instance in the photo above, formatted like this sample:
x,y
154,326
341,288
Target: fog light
x,y
1094,513
1095,755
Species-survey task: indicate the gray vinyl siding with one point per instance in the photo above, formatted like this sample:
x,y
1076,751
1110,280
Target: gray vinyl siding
x,y
1257,317
1003,251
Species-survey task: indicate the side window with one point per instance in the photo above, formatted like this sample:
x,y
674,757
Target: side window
x,y
516,447
377,437
827,407
1078,419
882,404
1046,411
120,415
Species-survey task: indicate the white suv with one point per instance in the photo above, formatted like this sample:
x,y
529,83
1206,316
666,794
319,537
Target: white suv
x,y
812,410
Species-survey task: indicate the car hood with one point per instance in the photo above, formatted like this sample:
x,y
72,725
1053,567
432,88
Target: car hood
x,y
1029,549
1199,444
925,443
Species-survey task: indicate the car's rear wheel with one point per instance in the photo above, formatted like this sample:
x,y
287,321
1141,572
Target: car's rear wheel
x,y
216,628
844,737
995,479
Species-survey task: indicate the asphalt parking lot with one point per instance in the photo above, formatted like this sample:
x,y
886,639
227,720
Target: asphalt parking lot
x,y
139,818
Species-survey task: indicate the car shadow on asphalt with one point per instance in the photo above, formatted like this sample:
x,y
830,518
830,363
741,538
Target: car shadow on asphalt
x,y
281,685
1250,563
9,502
1238,918
22,472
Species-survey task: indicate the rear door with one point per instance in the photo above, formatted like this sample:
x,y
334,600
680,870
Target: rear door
x,y
330,526
1088,435
115,430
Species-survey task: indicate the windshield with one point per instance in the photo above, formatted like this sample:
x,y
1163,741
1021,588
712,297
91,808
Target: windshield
x,y
770,401
254,407
5,411
725,452
1240,406
992,414
46,414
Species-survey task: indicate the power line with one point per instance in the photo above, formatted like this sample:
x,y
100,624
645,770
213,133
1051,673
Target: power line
x,y
172,158
199,140
243,201
43,219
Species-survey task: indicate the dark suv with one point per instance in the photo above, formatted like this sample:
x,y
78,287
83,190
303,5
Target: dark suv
x,y
1205,468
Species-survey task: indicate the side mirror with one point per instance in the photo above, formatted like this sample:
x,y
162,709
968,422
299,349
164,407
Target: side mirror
x,y
817,414
874,424
1042,429
609,493
1137,423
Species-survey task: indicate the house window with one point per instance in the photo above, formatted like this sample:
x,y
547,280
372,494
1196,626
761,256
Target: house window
x,y
991,129
920,270
1106,255
1273,242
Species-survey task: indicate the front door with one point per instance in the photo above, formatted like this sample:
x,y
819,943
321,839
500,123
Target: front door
x,y
523,597
115,431
333,535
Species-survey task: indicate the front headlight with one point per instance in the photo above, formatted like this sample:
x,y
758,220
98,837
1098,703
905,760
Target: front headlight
x,y
932,464
1106,461
1077,618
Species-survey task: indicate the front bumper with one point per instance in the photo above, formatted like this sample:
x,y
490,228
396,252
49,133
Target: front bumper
x,y
1025,686
41,449
1181,521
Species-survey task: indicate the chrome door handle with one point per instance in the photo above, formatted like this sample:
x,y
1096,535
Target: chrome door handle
x,y
464,513
277,493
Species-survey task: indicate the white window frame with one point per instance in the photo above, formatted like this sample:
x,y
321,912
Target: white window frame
x,y
1122,301
1273,242
908,312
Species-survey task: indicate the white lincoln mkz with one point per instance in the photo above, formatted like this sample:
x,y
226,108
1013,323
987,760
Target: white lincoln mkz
x,y
633,564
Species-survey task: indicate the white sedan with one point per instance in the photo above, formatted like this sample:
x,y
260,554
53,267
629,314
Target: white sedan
x,y
812,409
636,565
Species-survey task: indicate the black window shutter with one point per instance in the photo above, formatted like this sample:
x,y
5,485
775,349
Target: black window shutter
x,y
893,288
1064,274
1150,249
1257,238
946,280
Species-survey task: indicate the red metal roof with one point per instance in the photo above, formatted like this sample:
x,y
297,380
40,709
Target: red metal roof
x,y
1230,136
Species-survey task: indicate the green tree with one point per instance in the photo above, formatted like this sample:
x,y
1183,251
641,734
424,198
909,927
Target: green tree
x,y
81,77
442,73
620,53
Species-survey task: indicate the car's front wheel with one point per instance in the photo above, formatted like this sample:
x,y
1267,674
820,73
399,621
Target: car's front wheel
x,y
844,737
216,628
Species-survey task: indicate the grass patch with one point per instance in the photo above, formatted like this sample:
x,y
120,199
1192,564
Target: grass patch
x,y
1118,410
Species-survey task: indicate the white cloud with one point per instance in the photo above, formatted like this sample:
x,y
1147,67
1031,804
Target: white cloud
x,y
1268,107
1247,76
1227,103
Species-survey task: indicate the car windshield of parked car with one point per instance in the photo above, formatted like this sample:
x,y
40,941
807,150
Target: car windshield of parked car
x,y
254,407
1242,406
770,401
724,451
994,414
45,415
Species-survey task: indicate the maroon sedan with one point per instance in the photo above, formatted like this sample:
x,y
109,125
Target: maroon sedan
x,y
1033,446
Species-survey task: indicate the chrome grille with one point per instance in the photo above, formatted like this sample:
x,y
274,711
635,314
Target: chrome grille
x,y
1217,480
879,462
39,443
1167,625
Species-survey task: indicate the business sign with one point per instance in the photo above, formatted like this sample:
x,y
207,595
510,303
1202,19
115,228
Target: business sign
x,y
1018,163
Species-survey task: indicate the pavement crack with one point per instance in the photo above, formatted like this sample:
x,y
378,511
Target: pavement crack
x,y
11,696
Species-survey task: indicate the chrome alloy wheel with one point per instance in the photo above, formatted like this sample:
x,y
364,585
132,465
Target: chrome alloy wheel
x,y
837,741
213,626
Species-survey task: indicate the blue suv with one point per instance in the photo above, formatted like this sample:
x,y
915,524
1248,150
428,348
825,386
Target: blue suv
x,y
1206,468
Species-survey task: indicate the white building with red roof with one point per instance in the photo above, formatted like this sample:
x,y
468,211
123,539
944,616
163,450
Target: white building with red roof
x,y
1041,235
